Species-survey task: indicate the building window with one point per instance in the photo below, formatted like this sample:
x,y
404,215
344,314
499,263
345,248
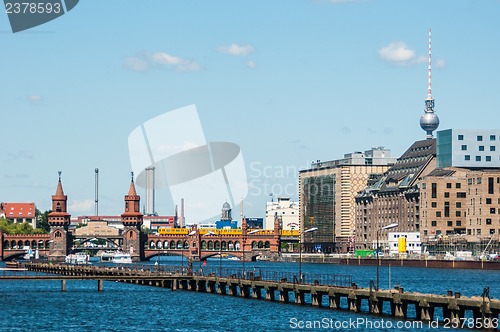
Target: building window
x,y
488,221
467,157
458,205
448,185
438,214
488,158
434,223
488,200
481,148
434,190
464,147
492,148
478,158
459,223
460,137
424,186
493,210
458,214
492,137
446,195
491,186
434,204
479,138
458,185
479,181
450,223
461,195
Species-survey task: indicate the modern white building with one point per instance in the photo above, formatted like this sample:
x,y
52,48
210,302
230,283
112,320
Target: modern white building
x,y
286,210
470,148
412,241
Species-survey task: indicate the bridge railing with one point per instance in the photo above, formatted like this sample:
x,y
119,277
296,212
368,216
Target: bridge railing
x,y
338,280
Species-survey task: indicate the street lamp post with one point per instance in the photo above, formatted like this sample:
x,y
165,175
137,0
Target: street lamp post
x,y
300,250
390,226
159,246
220,254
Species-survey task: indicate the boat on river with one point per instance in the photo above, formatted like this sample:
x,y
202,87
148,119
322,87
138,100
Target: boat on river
x,y
117,257
78,258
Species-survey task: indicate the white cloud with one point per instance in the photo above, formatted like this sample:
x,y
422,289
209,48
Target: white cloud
x,y
34,99
251,64
86,206
397,52
440,63
235,49
148,61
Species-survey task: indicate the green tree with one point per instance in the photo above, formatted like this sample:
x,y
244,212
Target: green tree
x,y
42,220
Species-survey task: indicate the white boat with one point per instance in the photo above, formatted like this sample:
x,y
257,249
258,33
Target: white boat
x,y
122,258
78,258
118,257
233,258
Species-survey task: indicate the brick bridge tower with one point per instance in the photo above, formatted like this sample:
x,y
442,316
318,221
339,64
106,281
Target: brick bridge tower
x,y
59,220
132,222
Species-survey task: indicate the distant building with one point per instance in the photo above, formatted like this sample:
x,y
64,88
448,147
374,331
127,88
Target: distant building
x,y
19,212
97,228
255,223
287,212
395,196
470,148
461,202
327,197
151,222
226,219
443,203
411,245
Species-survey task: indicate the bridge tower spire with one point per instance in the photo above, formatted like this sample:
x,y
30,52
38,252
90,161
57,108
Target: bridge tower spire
x,y
132,222
59,220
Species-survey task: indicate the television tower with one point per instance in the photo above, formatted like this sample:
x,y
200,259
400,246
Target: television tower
x,y
429,121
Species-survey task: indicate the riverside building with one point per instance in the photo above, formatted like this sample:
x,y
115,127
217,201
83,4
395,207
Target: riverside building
x,y
327,197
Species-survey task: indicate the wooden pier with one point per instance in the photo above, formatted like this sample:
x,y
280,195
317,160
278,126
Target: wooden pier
x,y
482,309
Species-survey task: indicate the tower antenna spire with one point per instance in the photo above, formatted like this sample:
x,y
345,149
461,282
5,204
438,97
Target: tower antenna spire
x,y
429,83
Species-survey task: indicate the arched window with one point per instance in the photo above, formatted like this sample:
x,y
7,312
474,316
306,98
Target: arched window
x,y
58,207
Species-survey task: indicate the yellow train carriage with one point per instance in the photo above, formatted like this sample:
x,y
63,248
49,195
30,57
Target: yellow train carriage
x,y
173,231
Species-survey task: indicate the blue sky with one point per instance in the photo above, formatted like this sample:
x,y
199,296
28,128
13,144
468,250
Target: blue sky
x,y
289,81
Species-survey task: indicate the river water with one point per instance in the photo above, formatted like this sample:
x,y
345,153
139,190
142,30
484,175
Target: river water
x,y
41,306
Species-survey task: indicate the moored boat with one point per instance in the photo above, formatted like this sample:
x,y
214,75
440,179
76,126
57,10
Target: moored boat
x,y
118,257
78,258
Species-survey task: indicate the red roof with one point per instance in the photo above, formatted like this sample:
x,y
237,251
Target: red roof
x,y
18,210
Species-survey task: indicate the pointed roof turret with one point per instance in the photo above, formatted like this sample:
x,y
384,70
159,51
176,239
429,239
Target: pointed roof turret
x,y
131,191
59,190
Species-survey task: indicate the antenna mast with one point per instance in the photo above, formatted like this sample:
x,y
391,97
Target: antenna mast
x,y
429,87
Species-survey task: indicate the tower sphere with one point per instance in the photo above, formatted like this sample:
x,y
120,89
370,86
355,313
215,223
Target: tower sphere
x,y
429,122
